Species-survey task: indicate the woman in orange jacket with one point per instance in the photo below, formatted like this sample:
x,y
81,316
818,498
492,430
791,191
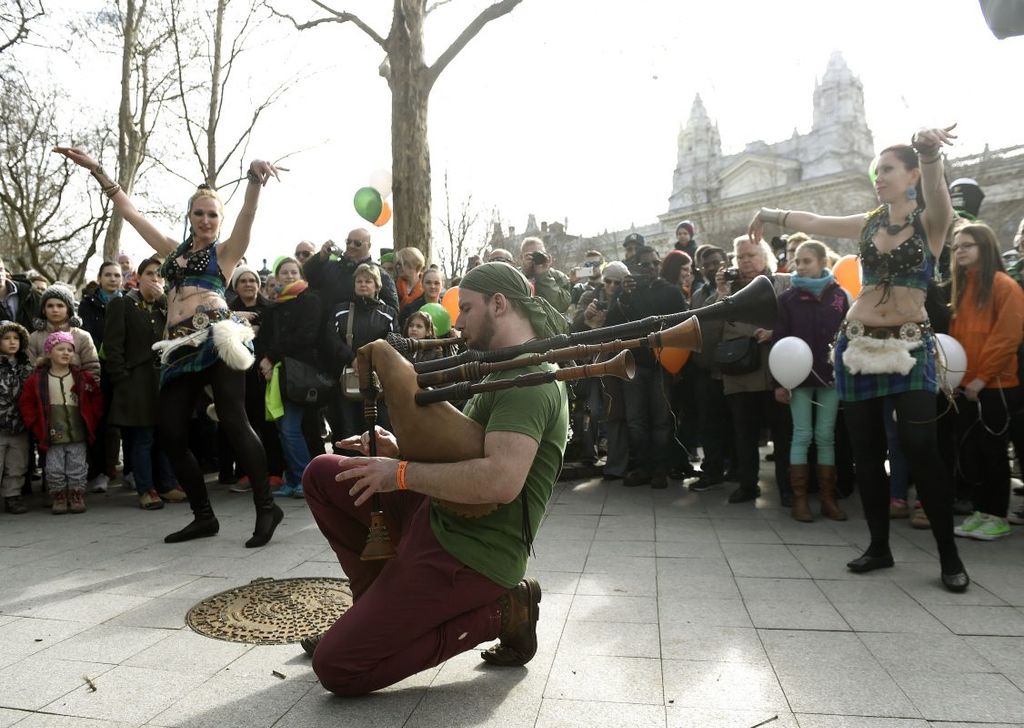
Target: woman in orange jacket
x,y
988,320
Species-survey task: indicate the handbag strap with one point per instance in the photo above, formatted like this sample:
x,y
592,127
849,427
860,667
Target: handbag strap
x,y
350,325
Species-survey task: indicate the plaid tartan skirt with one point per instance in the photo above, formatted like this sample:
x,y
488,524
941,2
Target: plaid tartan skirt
x,y
858,387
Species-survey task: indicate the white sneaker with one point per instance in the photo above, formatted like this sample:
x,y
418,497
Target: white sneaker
x,y
98,484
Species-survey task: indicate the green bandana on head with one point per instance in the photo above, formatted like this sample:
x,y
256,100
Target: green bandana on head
x,y
491,278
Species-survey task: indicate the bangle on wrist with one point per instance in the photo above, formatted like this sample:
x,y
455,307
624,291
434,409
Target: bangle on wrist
x,y
400,475
773,216
932,159
112,190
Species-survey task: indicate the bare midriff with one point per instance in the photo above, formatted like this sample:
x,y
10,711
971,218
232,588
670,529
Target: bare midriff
x,y
902,305
184,301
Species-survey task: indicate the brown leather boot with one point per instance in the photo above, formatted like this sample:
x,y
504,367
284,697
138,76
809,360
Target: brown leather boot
x,y
519,613
827,493
798,475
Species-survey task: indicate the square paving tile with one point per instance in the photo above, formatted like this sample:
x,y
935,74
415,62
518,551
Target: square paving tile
x,y
608,608
717,644
965,697
697,612
1005,653
580,714
808,651
905,653
705,718
232,701
845,690
189,653
978,620
25,636
614,679
763,560
794,615
37,681
105,643
846,721
384,709
610,639
717,685
894,616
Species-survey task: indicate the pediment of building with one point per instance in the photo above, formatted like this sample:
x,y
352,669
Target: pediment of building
x,y
751,173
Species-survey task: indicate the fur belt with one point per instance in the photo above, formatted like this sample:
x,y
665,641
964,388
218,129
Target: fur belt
x,y
231,338
882,349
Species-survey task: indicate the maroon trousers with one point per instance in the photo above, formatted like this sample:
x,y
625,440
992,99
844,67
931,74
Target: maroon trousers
x,y
409,613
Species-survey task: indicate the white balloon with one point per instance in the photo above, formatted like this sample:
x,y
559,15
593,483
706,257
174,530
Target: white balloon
x,y
790,361
956,359
381,181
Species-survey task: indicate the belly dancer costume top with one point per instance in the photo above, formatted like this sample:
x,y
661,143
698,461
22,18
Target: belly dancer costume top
x,y
908,266
191,345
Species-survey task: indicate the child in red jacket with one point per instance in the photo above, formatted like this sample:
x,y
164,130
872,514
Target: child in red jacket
x,y
61,405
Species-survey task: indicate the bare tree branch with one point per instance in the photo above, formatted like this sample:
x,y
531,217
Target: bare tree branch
x,y
336,16
490,13
15,20
438,3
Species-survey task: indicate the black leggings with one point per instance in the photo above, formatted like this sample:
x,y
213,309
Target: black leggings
x,y
178,400
915,421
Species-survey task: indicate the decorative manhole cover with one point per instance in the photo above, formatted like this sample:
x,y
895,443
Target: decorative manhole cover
x,y
272,611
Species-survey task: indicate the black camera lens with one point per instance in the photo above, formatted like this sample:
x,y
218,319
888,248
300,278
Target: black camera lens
x,y
731,274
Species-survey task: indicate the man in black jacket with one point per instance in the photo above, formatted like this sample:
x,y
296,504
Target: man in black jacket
x,y
19,301
334,278
648,414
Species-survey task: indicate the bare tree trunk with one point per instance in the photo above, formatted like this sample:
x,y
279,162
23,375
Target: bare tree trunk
x,y
125,127
215,88
410,84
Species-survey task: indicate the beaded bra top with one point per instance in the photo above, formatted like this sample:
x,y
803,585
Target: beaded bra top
x,y
198,268
906,265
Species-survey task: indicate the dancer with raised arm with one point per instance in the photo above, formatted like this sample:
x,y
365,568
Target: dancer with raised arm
x,y
886,347
205,344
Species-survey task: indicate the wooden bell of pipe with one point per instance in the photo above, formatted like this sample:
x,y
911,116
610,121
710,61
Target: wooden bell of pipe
x,y
378,541
685,335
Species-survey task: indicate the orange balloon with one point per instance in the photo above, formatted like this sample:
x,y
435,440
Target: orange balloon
x,y
450,301
672,359
847,274
385,215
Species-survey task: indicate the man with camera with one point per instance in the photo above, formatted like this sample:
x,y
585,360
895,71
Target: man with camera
x,y
550,284
648,415
334,278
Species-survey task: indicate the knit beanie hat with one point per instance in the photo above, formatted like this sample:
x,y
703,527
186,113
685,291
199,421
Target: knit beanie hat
x,y
63,293
686,225
615,271
239,270
58,337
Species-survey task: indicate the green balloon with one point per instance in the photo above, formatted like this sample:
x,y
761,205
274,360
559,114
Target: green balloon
x,y
368,203
440,316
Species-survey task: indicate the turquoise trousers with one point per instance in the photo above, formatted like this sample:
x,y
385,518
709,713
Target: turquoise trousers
x,y
818,423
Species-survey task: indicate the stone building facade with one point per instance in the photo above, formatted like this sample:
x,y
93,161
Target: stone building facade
x,y
824,170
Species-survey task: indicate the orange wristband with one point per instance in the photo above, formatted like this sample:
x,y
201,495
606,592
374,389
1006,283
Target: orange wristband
x,y
400,475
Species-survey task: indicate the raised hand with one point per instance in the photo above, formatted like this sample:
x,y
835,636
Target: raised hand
x,y
263,171
756,228
78,156
928,141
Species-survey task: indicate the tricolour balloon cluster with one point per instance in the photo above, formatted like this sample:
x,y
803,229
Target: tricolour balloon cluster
x,y
371,202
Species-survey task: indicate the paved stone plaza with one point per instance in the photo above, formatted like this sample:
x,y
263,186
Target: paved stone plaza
x,y
662,609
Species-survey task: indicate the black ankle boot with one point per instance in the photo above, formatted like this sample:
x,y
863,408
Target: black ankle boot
x,y
266,521
204,524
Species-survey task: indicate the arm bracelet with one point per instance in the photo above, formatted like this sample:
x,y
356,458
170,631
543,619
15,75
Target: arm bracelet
x,y
922,150
254,179
773,216
111,190
932,159
400,475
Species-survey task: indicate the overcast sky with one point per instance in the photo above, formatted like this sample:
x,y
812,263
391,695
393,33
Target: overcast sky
x,y
570,109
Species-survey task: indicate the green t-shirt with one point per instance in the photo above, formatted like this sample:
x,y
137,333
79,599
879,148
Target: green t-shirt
x,y
493,544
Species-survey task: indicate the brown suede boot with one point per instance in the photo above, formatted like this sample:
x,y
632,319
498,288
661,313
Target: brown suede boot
x,y
798,475
827,493
519,613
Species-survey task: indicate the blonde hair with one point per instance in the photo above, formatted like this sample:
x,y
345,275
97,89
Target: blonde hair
x,y
411,257
369,271
206,191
